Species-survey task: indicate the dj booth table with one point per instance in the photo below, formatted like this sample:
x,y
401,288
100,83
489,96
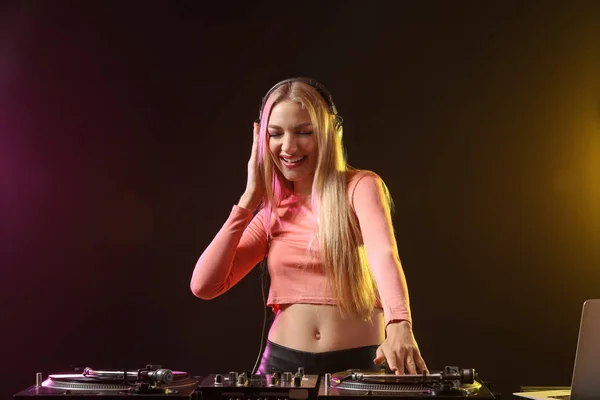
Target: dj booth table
x,y
156,382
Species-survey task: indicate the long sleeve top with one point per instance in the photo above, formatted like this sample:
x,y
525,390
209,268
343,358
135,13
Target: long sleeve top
x,y
297,274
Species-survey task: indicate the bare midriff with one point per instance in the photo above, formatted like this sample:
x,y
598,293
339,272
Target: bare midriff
x,y
318,328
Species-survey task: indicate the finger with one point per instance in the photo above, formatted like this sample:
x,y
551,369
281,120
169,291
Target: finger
x,y
380,357
421,364
255,139
393,364
411,366
399,363
383,358
255,133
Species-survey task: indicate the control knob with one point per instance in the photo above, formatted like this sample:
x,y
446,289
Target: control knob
x,y
297,380
273,379
287,377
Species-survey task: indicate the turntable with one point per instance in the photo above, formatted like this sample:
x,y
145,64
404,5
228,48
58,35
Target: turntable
x,y
151,381
450,383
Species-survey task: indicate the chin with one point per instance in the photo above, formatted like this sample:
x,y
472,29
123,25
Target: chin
x,y
295,177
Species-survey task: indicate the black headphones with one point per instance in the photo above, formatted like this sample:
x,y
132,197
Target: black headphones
x,y
318,87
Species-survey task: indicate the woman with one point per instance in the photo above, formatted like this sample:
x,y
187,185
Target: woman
x,y
337,286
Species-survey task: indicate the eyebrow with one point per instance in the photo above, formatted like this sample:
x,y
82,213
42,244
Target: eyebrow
x,y
298,126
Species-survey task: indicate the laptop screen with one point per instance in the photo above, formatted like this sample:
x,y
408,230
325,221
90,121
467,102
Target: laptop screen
x,y
586,372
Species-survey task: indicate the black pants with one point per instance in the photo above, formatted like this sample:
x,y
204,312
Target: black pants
x,y
283,359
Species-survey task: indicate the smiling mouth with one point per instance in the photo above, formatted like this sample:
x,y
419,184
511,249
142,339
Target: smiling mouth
x,y
293,160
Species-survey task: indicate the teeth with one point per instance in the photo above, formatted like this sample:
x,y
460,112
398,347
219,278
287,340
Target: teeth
x,y
293,160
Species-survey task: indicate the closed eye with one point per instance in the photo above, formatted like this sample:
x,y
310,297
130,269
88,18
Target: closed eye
x,y
276,134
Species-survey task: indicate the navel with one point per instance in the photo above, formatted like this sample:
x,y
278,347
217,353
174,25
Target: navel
x,y
317,335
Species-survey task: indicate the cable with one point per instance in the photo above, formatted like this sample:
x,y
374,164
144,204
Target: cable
x,y
263,269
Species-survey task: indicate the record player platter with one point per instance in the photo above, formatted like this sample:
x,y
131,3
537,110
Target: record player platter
x,y
451,382
151,381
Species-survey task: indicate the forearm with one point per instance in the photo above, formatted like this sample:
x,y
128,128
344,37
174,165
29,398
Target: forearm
x,y
228,258
392,286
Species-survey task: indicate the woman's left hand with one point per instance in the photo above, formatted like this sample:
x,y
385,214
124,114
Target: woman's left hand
x,y
400,350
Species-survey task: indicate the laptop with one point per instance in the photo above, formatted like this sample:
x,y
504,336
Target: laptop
x,y
585,382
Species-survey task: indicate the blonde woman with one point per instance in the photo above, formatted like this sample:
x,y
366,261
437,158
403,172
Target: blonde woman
x,y
337,289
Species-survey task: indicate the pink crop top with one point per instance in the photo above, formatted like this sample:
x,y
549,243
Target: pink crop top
x,y
297,276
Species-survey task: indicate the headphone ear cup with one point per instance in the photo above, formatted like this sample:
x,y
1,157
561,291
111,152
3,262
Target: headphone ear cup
x,y
338,125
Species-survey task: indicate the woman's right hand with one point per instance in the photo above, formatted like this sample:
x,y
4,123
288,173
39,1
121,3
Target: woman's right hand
x,y
254,186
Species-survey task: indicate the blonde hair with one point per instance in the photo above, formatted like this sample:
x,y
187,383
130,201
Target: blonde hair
x,y
338,234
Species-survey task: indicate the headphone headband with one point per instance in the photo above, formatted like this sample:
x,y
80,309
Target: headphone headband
x,y
315,85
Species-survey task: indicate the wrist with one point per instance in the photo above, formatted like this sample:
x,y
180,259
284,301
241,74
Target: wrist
x,y
248,202
398,323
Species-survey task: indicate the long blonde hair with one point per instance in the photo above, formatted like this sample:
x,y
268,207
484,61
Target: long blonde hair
x,y
339,236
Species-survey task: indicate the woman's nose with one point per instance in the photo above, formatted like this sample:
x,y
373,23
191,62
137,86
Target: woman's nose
x,y
289,145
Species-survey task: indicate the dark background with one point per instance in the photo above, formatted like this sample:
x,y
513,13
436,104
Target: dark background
x,y
125,130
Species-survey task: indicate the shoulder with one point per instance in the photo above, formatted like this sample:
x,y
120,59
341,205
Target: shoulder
x,y
353,177
364,183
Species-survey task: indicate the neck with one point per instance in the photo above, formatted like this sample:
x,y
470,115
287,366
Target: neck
x,y
302,188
